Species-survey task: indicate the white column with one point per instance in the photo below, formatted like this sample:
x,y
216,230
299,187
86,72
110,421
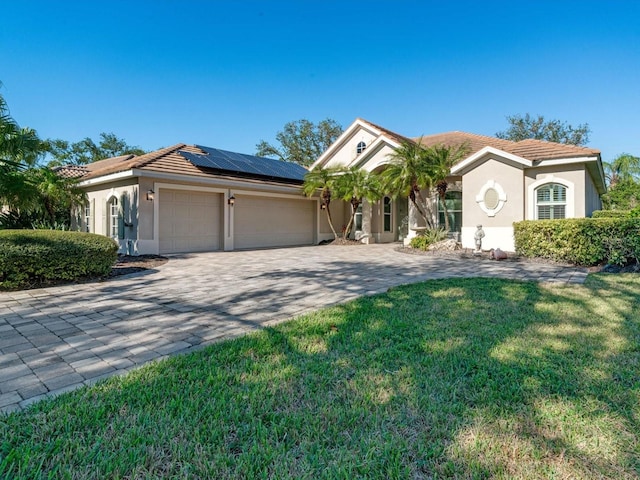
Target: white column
x,y
366,235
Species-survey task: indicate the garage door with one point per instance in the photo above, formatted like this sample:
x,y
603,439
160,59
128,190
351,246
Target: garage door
x,y
272,222
189,221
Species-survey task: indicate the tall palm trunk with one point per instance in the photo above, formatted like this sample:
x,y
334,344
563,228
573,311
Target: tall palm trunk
x,y
421,205
326,200
441,187
355,203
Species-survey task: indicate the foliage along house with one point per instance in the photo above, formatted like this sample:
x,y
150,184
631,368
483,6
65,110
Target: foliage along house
x,y
193,198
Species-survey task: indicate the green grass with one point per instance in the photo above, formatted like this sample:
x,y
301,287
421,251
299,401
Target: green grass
x,y
469,378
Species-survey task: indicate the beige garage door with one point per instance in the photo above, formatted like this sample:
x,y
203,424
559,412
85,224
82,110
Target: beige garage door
x,y
189,221
272,222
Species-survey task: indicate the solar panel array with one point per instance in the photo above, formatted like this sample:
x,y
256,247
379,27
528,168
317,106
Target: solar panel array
x,y
245,165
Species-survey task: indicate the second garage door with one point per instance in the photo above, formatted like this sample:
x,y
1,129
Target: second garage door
x,y
272,222
190,221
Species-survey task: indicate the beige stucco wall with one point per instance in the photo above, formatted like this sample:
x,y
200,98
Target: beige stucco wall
x,y
142,236
347,152
504,176
338,217
572,176
99,195
592,197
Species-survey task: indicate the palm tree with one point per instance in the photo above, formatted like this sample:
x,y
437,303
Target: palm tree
x,y
407,173
623,167
355,185
56,195
323,179
27,190
440,159
19,149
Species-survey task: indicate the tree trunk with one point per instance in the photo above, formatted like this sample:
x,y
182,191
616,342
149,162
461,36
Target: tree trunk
x,y
423,208
445,211
442,193
354,208
326,200
335,234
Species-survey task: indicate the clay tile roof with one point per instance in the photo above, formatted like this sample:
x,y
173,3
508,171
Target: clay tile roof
x,y
128,162
395,136
71,171
476,142
541,150
530,149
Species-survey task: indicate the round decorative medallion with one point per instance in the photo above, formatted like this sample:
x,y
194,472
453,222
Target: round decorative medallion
x,y
491,198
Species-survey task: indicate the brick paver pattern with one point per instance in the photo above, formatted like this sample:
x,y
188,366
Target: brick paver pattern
x,y
53,340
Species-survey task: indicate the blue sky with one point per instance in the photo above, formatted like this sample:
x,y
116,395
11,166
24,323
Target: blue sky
x,y
228,74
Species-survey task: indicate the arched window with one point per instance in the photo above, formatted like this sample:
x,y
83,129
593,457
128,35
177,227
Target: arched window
x,y
87,217
453,199
551,201
386,213
113,217
361,147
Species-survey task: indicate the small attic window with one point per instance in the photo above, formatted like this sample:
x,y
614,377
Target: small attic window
x,y
361,147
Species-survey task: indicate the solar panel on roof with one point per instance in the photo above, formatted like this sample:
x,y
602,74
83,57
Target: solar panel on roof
x,y
245,165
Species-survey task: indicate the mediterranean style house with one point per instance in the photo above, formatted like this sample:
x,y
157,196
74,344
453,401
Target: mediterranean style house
x,y
186,198
498,183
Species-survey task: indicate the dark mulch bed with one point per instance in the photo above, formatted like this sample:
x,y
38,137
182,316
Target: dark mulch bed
x,y
341,241
127,264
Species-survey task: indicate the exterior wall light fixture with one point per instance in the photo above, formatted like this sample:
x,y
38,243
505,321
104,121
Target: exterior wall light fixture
x,y
231,201
150,194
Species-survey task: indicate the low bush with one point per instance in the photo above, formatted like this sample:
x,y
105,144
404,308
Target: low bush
x,y
420,242
428,237
33,257
611,213
581,241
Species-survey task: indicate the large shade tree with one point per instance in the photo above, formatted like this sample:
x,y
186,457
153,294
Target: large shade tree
x,y
301,141
88,151
537,127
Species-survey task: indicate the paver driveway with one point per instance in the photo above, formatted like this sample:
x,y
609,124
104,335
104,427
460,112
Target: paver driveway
x,y
56,339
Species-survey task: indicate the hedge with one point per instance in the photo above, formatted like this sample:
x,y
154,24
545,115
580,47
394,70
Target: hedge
x,y
34,257
581,241
611,213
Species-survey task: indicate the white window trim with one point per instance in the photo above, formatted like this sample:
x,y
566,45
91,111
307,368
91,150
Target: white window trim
x,y
109,232
86,212
502,198
531,196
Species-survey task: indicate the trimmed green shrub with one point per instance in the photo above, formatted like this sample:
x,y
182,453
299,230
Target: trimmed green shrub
x,y
420,242
611,213
581,241
31,257
426,238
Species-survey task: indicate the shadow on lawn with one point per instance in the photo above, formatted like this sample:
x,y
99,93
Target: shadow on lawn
x,y
507,379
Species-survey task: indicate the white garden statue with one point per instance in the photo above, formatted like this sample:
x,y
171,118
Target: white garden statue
x,y
478,236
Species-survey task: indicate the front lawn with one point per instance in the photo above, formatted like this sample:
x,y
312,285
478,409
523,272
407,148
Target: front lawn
x,y
468,378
